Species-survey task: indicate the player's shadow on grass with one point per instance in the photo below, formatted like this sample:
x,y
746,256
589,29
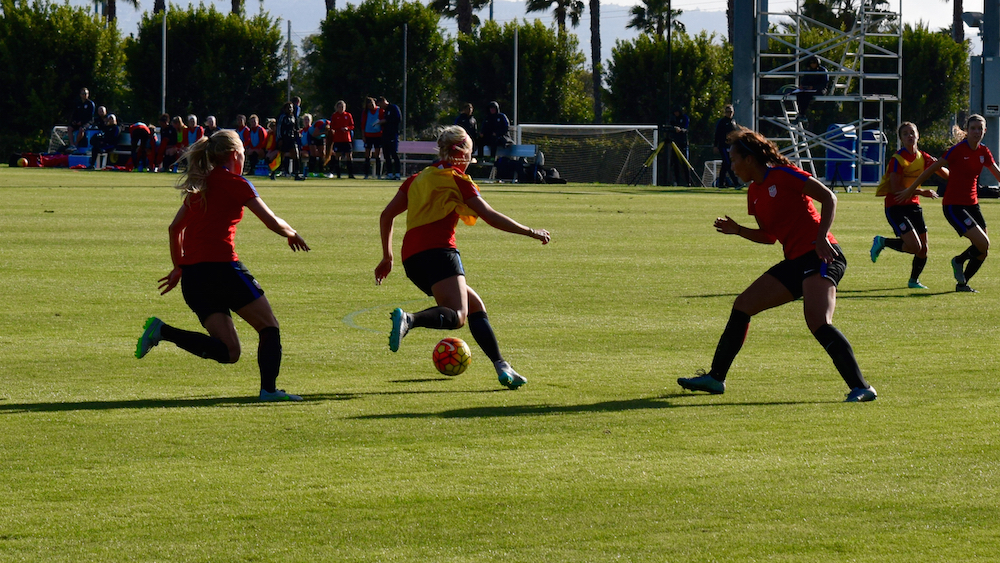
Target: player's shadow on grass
x,y
644,403
248,401
874,293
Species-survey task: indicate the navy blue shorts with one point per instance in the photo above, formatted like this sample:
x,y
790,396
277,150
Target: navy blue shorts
x,y
964,217
791,273
218,287
431,266
906,218
373,142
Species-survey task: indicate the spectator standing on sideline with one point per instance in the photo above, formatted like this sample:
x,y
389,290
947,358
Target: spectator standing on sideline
x,y
373,116
213,279
391,120
287,132
466,121
496,131
723,128
679,125
780,198
342,138
80,120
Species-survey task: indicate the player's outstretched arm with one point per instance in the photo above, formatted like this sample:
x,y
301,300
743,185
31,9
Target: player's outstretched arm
x,y
500,221
385,223
277,224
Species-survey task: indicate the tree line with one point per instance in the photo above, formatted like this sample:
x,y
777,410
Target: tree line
x,y
224,64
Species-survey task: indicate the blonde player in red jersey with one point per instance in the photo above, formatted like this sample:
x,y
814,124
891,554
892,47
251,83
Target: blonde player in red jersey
x,y
780,198
213,280
965,161
434,200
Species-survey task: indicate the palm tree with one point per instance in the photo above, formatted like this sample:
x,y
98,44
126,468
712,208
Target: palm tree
x,y
331,5
159,6
653,16
595,57
561,10
957,28
459,10
111,9
237,6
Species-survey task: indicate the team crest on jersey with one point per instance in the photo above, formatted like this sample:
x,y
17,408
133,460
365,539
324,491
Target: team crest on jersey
x,y
982,160
772,191
968,221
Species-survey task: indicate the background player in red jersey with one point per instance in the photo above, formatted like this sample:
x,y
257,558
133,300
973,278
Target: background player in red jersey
x,y
965,161
213,280
781,197
434,200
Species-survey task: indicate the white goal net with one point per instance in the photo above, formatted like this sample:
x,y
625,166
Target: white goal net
x,y
608,154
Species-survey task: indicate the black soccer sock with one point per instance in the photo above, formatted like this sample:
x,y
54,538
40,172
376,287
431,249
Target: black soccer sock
x,y
836,344
201,345
368,166
918,267
894,243
378,167
441,318
482,332
312,164
730,344
968,253
269,357
972,267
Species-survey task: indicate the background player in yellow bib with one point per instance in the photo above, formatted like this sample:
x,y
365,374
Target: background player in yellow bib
x,y
907,217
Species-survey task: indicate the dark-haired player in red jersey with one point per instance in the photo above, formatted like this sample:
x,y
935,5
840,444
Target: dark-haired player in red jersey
x,y
781,197
213,280
965,161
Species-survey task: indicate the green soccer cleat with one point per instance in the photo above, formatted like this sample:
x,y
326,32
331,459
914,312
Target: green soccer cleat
x,y
956,268
150,337
278,395
915,284
400,326
703,382
507,376
878,243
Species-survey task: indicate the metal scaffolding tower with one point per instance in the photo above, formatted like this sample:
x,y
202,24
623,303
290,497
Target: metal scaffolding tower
x,y
865,66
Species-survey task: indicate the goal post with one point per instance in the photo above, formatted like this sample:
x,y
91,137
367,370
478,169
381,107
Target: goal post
x,y
607,154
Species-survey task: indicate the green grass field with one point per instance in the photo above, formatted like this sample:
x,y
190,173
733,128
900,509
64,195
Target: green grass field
x,y
601,457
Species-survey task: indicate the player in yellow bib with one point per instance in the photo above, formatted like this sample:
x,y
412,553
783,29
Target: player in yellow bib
x,y
906,217
434,200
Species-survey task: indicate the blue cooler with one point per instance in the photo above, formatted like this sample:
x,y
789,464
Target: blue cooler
x,y
841,164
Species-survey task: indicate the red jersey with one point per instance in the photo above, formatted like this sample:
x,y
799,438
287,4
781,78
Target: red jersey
x,y
254,138
212,216
440,233
909,173
964,167
784,212
192,134
339,122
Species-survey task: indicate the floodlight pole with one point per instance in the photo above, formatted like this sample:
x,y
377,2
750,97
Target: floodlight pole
x,y
163,63
515,75
406,33
289,71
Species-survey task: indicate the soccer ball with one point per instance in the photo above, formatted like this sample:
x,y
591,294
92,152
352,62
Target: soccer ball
x,y
452,356
22,162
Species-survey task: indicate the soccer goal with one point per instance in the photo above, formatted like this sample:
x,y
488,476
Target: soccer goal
x,y
609,154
